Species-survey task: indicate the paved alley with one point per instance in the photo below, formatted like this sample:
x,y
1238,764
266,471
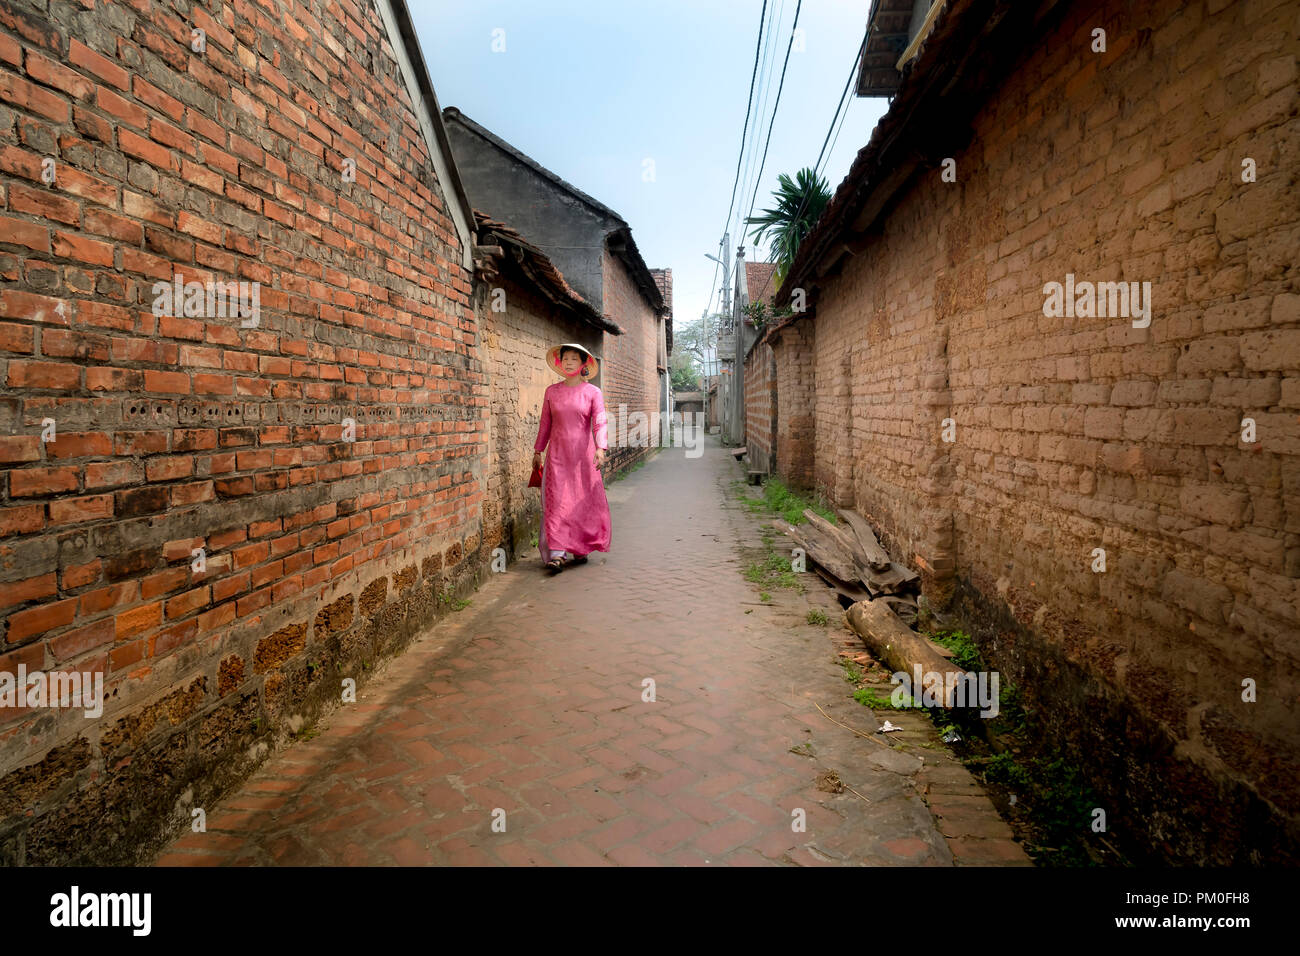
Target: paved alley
x,y
526,708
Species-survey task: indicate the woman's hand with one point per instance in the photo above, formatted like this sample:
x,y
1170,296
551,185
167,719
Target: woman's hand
x,y
600,457
537,459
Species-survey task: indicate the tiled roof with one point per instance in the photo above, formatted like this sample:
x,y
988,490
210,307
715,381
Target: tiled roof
x,y
759,282
664,280
546,278
618,239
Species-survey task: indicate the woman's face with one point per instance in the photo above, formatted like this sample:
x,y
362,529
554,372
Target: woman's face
x,y
571,362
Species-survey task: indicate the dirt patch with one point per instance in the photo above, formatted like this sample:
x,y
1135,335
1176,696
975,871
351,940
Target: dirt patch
x,y
828,781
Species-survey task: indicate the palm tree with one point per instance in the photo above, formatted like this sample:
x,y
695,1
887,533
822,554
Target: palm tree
x,y
799,204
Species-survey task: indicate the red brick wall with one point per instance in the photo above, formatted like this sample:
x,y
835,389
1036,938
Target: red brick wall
x,y
176,433
628,373
1082,433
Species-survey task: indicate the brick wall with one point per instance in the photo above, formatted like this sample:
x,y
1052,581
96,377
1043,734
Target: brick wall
x,y
794,354
628,373
1081,433
516,342
179,433
760,407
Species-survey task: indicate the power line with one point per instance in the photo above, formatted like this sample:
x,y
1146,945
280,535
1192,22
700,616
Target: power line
x,y
760,100
776,106
762,16
803,204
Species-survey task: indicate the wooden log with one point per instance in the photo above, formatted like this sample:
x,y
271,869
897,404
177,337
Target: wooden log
x,y
907,611
873,555
902,649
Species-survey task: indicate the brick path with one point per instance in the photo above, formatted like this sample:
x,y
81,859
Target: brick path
x,y
530,700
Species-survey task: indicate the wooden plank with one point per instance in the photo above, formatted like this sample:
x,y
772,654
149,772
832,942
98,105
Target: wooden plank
x,y
824,551
854,592
875,557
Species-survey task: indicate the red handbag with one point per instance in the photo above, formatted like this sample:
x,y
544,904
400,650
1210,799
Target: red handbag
x,y
536,480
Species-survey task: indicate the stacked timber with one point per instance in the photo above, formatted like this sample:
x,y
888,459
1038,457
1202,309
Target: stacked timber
x,y
849,557
881,594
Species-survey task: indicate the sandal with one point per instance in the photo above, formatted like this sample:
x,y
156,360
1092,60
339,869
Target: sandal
x,y
581,559
555,566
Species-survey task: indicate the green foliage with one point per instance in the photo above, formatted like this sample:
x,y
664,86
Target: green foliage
x,y
778,498
1011,708
965,654
817,616
869,698
799,204
685,374
764,596
1057,799
1003,768
774,569
759,313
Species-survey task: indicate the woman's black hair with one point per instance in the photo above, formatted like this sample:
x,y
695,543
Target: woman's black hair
x,y
569,348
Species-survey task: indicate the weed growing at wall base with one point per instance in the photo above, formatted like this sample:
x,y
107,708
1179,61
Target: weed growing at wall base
x,y
971,689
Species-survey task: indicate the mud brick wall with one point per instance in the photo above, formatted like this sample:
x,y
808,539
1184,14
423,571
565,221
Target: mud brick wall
x,y
1081,433
793,350
760,406
179,433
516,342
628,369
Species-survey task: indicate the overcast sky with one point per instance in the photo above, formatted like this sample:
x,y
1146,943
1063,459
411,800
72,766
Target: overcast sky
x,y
593,89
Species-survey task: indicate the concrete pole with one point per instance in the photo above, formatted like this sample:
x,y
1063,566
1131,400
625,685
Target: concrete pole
x,y
726,273
736,412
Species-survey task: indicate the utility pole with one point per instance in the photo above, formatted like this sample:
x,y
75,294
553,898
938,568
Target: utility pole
x,y
725,383
736,407
726,273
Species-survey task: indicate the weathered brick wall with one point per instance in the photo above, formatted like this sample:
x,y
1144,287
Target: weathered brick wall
x,y
628,373
1081,433
760,406
796,438
516,342
177,433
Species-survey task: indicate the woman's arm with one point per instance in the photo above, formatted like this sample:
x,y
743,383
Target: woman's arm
x,y
599,426
543,427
